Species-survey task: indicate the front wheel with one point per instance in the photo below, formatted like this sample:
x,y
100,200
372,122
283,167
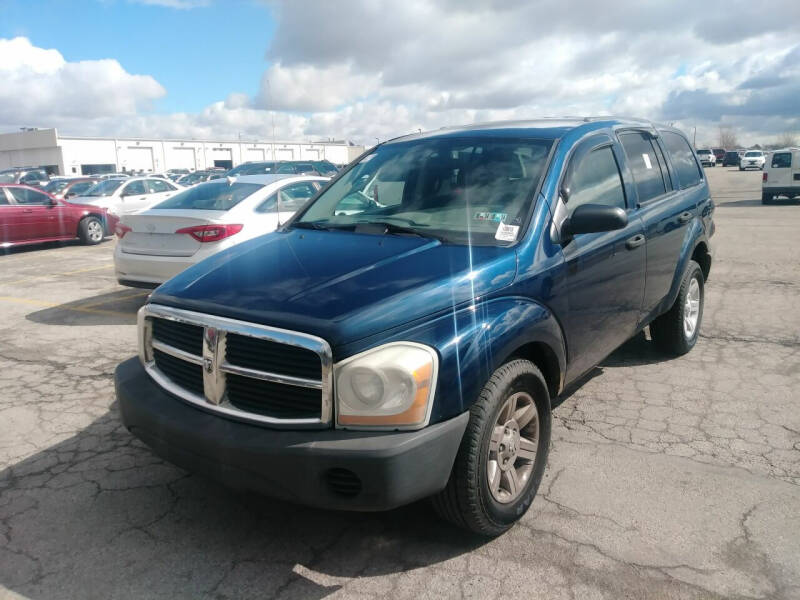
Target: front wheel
x,y
503,453
91,231
677,330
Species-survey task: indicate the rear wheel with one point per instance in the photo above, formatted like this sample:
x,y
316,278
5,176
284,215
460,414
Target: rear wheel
x,y
766,198
503,453
677,330
90,231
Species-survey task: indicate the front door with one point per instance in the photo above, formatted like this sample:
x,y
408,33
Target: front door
x,y
605,272
134,197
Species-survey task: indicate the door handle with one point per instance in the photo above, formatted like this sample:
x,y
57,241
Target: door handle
x,y
635,241
27,210
684,217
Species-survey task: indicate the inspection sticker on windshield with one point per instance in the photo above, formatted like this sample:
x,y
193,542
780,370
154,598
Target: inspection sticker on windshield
x,y
490,216
506,233
647,162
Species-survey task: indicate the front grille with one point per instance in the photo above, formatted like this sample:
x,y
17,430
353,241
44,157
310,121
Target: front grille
x,y
248,371
185,374
184,336
273,399
265,355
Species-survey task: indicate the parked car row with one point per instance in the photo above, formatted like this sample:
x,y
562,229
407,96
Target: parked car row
x,y
158,243
744,159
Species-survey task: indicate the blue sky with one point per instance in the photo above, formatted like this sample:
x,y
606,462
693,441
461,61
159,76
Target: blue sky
x,y
200,55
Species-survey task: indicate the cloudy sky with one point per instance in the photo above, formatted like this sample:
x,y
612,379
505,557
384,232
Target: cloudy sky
x,y
367,69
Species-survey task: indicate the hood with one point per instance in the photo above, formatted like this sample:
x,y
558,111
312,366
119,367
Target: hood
x,y
78,202
94,201
341,286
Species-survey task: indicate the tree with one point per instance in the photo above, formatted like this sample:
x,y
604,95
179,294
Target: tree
x,y
786,139
727,138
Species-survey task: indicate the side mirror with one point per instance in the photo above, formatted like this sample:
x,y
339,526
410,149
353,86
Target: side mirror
x,y
594,218
69,195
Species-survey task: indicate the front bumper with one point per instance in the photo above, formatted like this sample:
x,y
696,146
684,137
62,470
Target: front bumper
x,y
346,470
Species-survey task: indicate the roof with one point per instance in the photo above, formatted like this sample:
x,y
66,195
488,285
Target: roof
x,y
544,128
267,179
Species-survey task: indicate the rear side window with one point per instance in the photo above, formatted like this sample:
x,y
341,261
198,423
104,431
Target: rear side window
x,y
26,196
217,195
3,199
595,179
157,186
81,187
781,160
683,161
292,197
644,163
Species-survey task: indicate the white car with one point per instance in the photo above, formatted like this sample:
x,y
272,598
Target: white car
x,y
126,196
752,159
707,158
159,243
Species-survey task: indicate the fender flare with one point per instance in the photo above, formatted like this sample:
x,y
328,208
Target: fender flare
x,y
695,235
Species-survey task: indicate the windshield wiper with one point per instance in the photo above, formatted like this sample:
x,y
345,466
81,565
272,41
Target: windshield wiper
x,y
309,225
390,227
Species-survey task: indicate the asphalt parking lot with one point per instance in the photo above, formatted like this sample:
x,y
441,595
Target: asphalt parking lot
x,y
667,478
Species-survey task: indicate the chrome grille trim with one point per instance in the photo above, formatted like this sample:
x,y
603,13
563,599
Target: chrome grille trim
x,y
176,352
226,367
215,331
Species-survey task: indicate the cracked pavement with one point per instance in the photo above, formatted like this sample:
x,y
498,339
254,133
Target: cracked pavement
x,y
667,478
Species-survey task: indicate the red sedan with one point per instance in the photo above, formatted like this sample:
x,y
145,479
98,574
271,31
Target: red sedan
x,y
31,216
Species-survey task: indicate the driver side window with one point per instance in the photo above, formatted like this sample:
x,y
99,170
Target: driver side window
x,y
27,196
134,188
595,179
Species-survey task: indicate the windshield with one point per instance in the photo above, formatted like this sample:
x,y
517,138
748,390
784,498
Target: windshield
x,y
104,188
464,191
216,195
704,151
56,186
752,153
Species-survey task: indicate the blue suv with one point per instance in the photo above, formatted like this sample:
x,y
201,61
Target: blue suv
x,y
404,334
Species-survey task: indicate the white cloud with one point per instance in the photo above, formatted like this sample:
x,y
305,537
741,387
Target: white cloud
x,y
377,68
41,88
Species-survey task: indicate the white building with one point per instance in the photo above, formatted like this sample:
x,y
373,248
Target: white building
x,y
69,155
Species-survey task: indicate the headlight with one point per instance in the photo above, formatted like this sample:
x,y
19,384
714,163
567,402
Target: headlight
x,y
391,386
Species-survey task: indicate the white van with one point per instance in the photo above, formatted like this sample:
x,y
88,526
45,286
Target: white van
x,y
781,175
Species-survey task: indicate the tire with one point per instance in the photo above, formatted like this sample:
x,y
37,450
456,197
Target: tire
x,y
766,198
670,331
91,231
467,500
741,168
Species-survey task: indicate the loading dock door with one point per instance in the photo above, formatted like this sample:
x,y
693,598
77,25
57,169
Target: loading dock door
x,y
284,153
222,157
139,159
254,155
182,158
